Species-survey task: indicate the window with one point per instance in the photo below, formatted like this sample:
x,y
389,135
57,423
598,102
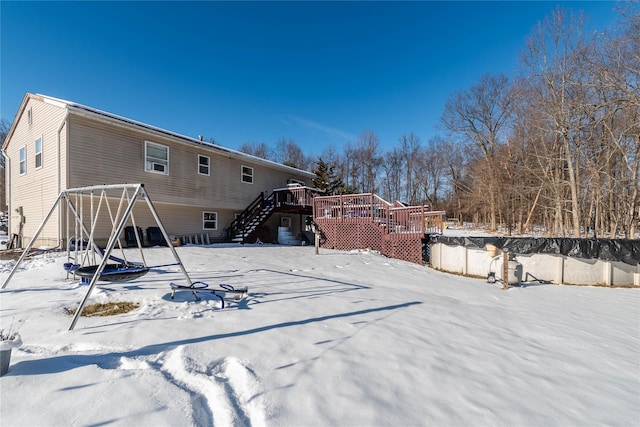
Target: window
x,y
38,150
203,165
247,174
156,158
209,220
23,160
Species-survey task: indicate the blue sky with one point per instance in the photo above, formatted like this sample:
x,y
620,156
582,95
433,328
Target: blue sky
x,y
319,73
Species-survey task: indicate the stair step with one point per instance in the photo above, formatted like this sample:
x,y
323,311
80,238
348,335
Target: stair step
x,y
285,237
256,220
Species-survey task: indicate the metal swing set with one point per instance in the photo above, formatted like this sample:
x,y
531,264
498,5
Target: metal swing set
x,y
82,249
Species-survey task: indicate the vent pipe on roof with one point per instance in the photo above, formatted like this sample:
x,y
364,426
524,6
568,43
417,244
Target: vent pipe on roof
x,y
200,137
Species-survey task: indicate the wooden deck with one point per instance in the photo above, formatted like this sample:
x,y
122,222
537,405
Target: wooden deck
x,y
347,222
294,199
359,221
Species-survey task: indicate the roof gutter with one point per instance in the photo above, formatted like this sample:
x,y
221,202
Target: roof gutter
x,y
7,188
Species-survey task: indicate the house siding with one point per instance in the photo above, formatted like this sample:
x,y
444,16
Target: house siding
x,y
177,220
100,149
37,190
97,157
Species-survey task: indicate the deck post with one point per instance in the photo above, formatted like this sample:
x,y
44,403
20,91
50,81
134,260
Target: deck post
x,y
505,270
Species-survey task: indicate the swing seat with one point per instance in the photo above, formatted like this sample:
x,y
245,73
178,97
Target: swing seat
x,y
114,272
69,266
221,292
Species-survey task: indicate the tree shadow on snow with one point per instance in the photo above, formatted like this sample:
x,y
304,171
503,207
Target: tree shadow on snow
x,y
267,286
62,363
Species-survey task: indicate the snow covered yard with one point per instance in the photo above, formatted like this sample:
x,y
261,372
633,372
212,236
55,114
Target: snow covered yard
x,y
339,339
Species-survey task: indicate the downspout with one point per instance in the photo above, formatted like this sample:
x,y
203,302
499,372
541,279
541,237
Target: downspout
x,y
7,190
59,172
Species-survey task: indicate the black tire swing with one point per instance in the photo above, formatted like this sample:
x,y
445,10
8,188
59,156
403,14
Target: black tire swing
x,y
113,272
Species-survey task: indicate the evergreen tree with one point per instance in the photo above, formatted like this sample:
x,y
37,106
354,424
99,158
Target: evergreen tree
x,y
326,179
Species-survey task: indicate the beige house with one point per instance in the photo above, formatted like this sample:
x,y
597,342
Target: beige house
x,y
197,187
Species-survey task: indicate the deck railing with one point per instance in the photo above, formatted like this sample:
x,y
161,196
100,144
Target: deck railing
x,y
295,196
291,197
241,221
394,219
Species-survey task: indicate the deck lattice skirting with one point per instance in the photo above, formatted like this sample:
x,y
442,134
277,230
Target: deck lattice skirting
x,y
361,221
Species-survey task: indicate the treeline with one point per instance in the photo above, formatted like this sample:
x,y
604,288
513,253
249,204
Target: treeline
x,y
556,147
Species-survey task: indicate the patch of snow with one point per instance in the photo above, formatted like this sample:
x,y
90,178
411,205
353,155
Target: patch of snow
x,y
342,338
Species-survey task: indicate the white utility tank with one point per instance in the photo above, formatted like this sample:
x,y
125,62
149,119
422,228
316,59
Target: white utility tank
x,y
514,273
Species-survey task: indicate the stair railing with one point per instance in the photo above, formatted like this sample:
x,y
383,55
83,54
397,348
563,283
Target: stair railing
x,y
280,198
239,223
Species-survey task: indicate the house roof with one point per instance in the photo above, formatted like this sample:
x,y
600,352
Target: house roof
x,y
83,110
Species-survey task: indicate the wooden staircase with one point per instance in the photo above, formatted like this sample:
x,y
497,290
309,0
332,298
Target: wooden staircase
x,y
245,226
294,199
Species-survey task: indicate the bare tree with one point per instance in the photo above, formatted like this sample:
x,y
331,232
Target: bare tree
x,y
429,172
480,114
289,153
342,164
554,59
364,162
392,167
258,149
350,167
454,162
410,148
331,155
437,169
613,69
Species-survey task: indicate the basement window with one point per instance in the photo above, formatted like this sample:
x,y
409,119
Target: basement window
x,y
209,220
156,158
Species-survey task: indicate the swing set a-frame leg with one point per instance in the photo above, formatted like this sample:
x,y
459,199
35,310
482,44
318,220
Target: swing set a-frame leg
x,y
140,190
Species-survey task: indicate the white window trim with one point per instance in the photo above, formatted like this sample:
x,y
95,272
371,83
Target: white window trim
x,y
242,174
35,156
208,165
21,162
151,170
203,220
